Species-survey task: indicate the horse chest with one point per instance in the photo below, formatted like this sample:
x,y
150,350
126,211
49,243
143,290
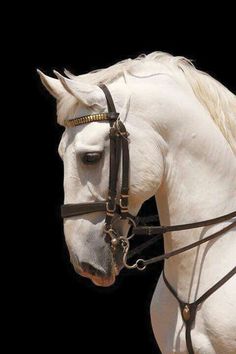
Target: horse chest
x,y
208,328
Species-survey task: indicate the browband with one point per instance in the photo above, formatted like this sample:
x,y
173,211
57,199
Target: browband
x,y
110,116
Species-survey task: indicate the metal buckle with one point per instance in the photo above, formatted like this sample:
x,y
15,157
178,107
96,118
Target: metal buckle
x,y
124,134
124,207
111,232
112,211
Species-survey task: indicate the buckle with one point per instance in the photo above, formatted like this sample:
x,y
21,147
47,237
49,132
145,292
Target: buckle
x,y
113,115
124,197
110,209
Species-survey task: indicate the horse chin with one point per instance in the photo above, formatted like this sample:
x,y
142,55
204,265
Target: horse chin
x,y
108,280
103,282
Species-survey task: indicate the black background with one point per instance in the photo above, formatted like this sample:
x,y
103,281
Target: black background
x,y
59,309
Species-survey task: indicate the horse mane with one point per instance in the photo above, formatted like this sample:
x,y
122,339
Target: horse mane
x,y
216,98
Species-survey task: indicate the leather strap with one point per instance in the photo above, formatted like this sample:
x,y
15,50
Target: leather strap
x,y
142,263
118,145
188,247
155,230
188,310
115,155
70,210
109,99
124,196
143,246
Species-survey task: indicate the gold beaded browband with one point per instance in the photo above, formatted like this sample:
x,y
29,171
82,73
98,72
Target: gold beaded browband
x,y
89,118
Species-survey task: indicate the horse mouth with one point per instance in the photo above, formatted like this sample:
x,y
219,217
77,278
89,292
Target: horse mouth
x,y
108,280
102,280
99,275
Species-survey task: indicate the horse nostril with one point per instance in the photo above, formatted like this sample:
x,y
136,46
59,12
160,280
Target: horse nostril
x,y
88,268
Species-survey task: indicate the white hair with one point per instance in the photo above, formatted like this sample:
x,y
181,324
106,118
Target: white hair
x,y
216,98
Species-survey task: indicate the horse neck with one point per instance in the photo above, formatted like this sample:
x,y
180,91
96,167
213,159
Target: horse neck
x,y
198,185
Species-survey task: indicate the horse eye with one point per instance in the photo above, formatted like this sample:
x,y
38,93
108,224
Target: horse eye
x,y
90,158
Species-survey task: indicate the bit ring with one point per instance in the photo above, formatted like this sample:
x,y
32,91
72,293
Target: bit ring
x,y
140,264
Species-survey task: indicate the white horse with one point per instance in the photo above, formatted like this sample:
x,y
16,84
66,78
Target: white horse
x,y
182,126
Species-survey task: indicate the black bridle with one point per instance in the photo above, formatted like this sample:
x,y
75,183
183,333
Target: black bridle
x,y
119,146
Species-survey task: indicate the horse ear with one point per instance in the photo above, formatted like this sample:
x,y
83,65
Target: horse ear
x,y
88,94
54,86
69,74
